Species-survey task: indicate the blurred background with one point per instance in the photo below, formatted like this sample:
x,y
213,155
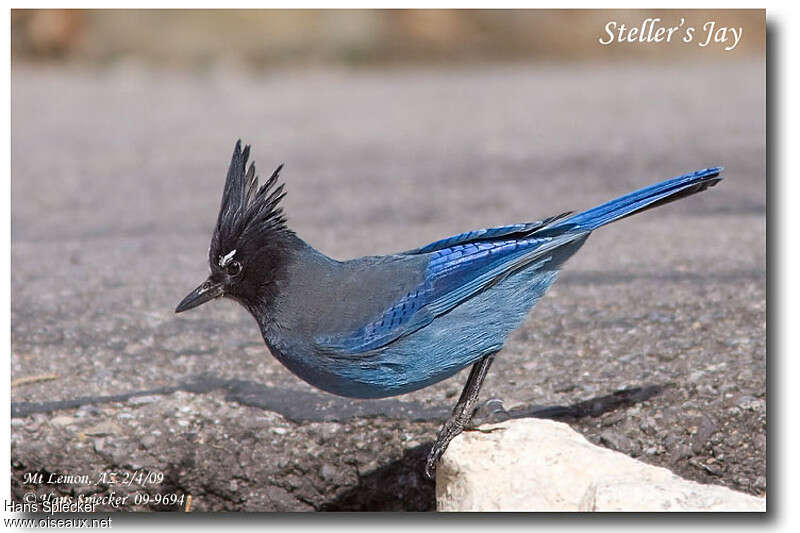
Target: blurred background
x,y
259,39
397,128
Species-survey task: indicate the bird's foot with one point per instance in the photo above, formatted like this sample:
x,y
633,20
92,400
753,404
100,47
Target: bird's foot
x,y
491,411
451,428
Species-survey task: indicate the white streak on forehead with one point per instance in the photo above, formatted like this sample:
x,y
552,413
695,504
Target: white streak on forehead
x,y
226,259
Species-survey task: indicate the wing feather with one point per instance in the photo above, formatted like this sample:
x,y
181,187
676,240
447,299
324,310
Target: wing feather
x,y
512,231
454,275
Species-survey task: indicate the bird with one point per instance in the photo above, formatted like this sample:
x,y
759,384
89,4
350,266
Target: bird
x,y
385,325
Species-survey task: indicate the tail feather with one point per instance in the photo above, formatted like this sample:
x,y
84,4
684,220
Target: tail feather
x,y
649,197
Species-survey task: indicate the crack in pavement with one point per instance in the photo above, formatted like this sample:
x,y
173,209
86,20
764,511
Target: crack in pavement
x,y
298,406
294,405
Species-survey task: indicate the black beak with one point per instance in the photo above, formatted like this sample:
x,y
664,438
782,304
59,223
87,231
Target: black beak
x,y
202,294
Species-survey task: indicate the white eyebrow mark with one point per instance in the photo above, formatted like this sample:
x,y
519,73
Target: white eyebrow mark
x,y
226,259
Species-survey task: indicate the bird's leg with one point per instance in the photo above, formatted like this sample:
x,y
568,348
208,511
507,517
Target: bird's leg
x,y
462,412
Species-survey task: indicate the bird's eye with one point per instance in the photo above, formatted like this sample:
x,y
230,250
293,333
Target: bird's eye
x,y
233,268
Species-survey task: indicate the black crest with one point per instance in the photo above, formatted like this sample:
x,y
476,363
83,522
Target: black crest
x,y
248,212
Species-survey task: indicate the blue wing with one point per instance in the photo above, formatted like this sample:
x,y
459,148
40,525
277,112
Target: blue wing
x,y
454,274
512,231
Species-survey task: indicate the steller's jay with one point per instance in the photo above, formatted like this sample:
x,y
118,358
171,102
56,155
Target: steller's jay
x,y
381,326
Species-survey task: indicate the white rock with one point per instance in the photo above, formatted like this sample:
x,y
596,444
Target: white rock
x,y
62,421
678,495
542,465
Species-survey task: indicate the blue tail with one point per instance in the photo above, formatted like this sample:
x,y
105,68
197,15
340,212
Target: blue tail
x,y
658,194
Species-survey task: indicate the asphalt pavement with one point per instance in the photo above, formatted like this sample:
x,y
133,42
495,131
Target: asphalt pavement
x,y
116,181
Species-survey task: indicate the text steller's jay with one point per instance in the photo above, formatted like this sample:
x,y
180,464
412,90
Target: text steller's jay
x,y
380,326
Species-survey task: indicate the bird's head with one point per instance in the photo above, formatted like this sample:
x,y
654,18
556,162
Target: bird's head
x,y
250,241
